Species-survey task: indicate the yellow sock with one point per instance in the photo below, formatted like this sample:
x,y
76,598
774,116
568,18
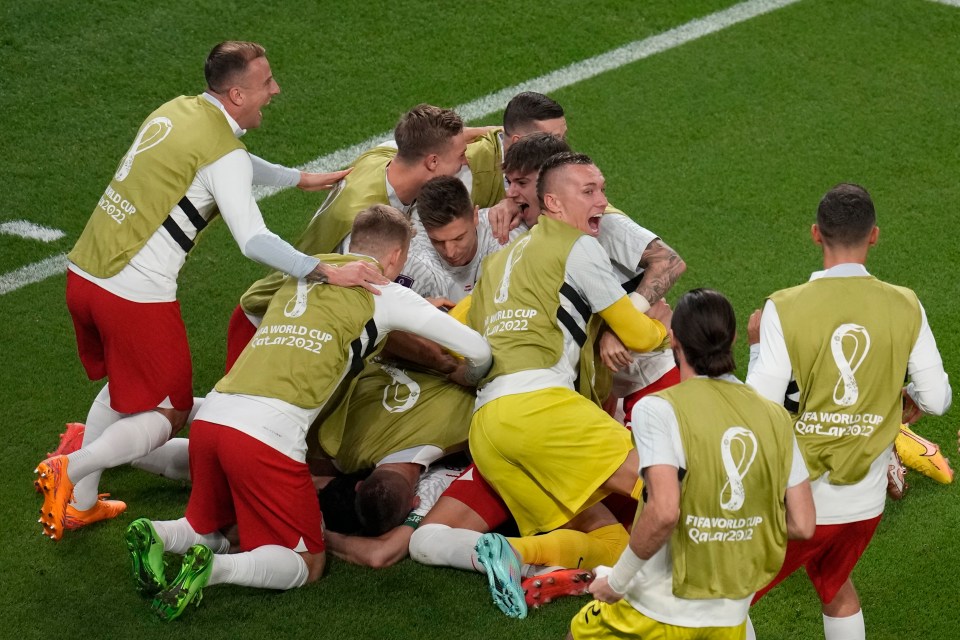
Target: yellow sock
x,y
573,549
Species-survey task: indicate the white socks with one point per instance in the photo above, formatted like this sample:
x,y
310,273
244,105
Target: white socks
x,y
268,567
442,546
439,545
178,536
751,634
849,628
170,460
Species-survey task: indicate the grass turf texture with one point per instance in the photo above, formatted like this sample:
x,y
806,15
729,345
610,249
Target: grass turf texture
x,y
723,146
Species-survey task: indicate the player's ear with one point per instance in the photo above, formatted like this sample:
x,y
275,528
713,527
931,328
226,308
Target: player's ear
x,y
431,162
815,234
550,202
235,95
415,502
476,214
874,234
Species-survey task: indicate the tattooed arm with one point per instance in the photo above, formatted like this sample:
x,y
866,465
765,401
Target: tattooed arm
x,y
662,267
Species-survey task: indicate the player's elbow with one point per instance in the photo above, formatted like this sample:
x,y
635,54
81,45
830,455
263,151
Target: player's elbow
x,y
801,512
386,556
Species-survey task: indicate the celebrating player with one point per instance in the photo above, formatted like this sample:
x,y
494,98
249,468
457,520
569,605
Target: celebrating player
x,y
835,351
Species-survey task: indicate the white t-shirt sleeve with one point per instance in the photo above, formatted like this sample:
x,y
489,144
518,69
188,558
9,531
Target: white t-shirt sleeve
x,y
273,175
404,310
589,272
656,433
771,371
624,241
798,468
929,384
229,180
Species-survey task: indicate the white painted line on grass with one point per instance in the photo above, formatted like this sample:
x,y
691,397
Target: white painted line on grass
x,y
569,75
492,103
949,3
31,231
31,273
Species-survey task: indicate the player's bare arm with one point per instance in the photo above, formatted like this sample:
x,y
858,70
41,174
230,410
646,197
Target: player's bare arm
x,y
662,267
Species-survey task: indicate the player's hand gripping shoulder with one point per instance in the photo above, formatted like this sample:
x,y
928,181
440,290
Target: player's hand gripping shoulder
x,y
504,217
355,274
321,181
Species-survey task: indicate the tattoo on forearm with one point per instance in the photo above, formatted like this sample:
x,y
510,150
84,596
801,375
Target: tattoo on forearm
x,y
662,268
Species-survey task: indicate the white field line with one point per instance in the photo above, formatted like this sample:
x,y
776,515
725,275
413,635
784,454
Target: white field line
x,y
569,75
30,231
949,3
36,272
491,103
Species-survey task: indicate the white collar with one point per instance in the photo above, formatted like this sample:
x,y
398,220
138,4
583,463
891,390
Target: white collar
x,y
212,99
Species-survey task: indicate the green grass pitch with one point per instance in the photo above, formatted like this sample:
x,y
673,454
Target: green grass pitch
x,y
723,146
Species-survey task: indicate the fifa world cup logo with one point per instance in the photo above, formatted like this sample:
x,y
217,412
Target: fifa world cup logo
x,y
298,303
152,134
403,393
503,293
738,448
849,345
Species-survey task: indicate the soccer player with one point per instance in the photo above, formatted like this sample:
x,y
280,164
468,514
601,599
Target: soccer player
x,y
644,264
458,236
186,164
449,533
248,443
527,112
835,351
531,430
430,142
725,487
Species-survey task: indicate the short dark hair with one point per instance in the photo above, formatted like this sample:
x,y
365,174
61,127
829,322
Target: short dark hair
x,y
526,108
425,129
383,502
846,215
338,503
528,154
554,164
379,229
705,326
442,200
228,60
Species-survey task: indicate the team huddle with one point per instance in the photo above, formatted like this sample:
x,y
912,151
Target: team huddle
x,y
466,358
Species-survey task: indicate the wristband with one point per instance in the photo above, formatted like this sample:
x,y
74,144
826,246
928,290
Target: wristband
x,y
628,566
639,302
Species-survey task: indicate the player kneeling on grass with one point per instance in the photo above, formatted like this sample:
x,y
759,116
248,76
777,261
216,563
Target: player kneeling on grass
x,y
726,486
248,444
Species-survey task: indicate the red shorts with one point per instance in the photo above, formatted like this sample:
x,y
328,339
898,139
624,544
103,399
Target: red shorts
x,y
239,333
238,479
829,556
665,381
140,347
472,490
